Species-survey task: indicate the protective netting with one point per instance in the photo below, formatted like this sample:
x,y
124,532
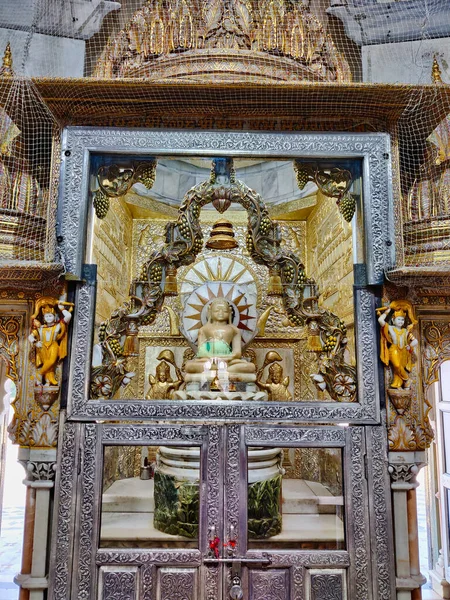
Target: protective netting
x,y
277,65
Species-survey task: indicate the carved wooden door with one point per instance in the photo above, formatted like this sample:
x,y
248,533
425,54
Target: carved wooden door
x,y
295,534
272,513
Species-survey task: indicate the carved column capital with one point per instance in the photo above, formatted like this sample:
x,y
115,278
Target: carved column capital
x,y
403,474
41,471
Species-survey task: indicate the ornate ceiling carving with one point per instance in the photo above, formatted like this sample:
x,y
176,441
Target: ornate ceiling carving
x,y
272,40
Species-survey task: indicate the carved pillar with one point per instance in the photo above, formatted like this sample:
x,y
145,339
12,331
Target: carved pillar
x,y
403,469
40,468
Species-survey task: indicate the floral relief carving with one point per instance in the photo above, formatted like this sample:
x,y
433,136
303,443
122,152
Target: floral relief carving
x,y
178,584
272,411
379,493
147,582
233,477
87,534
43,471
147,558
270,585
302,434
326,587
119,585
358,510
404,472
60,573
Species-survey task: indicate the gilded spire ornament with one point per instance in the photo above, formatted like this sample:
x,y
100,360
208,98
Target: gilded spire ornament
x,y
7,63
436,71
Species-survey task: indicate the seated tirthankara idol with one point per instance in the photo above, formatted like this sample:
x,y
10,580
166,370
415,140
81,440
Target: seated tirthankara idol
x,y
219,349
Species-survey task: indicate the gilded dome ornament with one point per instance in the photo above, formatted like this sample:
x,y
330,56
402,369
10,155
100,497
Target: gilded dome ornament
x,y
436,71
222,236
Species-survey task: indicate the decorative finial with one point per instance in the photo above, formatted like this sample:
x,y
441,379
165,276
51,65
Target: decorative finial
x,y
6,69
436,71
222,236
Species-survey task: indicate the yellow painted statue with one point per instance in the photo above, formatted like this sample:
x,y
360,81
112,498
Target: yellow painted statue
x,y
397,342
49,335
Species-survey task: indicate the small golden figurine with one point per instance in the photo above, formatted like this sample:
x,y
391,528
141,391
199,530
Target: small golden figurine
x,y
397,341
276,386
49,335
162,386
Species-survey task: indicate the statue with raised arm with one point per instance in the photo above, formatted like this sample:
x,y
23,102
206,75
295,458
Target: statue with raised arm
x,y
162,385
49,336
219,348
276,386
397,341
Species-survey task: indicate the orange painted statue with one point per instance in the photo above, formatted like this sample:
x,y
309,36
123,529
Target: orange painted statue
x,y
397,342
49,335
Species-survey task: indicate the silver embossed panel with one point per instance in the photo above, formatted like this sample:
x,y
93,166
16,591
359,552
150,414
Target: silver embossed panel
x,y
326,585
269,585
177,584
118,583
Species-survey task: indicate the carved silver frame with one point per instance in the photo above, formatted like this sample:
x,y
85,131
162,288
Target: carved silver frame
x,y
76,553
80,143
79,566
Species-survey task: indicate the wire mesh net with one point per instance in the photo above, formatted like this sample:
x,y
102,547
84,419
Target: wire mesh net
x,y
280,65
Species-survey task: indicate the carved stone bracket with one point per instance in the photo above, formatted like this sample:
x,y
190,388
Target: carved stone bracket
x,y
333,183
116,180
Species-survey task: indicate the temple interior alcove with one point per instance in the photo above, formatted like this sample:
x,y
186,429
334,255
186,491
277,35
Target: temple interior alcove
x,y
295,495
312,227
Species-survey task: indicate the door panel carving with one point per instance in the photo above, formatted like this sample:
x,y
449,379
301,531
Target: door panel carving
x,y
269,585
326,585
177,584
118,583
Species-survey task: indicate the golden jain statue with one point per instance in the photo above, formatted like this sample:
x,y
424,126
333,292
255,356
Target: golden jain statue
x,y
49,336
162,386
397,341
276,386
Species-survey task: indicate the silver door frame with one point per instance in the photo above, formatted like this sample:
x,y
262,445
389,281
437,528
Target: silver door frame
x,y
79,144
76,554
79,566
